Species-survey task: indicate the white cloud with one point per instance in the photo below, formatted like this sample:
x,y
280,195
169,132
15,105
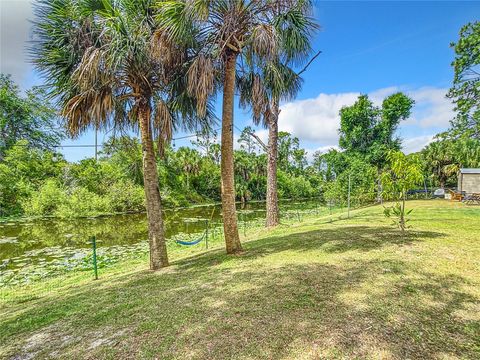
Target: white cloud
x,y
14,36
317,120
432,108
416,143
377,96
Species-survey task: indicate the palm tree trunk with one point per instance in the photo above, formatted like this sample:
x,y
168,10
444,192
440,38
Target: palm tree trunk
x,y
156,232
232,240
272,155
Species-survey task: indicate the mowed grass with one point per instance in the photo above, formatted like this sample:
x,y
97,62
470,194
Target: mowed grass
x,y
353,288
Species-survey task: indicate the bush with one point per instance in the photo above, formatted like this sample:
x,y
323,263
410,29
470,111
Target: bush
x,y
125,196
82,202
46,200
301,188
294,187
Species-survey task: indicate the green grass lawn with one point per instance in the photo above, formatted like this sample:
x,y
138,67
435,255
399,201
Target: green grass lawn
x,y
353,288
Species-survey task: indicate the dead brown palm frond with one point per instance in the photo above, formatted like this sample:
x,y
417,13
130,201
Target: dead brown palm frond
x,y
268,115
259,99
265,41
164,51
93,106
77,118
201,82
89,71
162,126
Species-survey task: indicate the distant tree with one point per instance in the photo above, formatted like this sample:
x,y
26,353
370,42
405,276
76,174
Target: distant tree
x,y
126,152
362,179
443,158
299,160
465,91
330,164
287,145
206,140
246,141
404,172
439,161
22,170
189,160
31,117
369,131
215,153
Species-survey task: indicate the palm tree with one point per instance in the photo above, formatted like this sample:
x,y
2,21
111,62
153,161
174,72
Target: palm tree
x,y
264,85
189,160
224,32
439,158
257,91
107,66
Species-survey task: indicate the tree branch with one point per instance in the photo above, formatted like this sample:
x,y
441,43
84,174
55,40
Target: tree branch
x,y
308,64
255,136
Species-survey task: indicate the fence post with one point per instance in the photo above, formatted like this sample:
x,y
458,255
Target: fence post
x,y
206,234
244,226
94,257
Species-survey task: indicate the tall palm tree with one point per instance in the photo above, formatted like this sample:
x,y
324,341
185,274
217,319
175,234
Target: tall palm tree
x,y
224,31
107,66
264,85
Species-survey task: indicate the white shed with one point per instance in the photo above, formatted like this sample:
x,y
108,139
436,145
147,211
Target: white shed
x,y
469,181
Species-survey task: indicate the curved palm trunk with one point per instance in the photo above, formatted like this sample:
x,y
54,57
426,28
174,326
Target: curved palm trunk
x,y
156,232
232,240
272,155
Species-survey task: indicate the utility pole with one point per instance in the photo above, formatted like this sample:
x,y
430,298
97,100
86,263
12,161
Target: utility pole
x,y
349,183
96,151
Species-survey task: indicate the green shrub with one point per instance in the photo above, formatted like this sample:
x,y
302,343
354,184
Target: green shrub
x,y
46,200
81,202
125,196
294,187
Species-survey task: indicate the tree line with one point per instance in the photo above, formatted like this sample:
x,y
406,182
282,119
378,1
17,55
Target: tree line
x,y
40,182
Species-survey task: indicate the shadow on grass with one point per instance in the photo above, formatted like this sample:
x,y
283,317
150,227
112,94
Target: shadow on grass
x,y
330,240
222,307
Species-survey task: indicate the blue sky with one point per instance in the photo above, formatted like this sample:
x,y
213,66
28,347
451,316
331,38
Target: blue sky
x,y
376,47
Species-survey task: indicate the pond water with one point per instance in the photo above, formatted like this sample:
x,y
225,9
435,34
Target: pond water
x,y
38,248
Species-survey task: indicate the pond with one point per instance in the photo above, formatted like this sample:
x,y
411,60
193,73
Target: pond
x,y
31,249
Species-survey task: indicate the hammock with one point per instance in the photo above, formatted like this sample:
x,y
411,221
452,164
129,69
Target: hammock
x,y
190,243
195,242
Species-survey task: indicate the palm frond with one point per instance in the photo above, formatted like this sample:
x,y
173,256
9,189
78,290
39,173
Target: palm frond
x,y
201,81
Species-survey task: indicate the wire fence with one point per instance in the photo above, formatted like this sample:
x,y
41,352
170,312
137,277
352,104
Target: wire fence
x,y
74,266
104,262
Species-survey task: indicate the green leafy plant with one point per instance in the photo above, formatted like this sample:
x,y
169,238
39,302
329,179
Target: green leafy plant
x,y
403,173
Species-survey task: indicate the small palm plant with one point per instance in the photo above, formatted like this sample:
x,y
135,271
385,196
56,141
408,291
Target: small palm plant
x,y
107,66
